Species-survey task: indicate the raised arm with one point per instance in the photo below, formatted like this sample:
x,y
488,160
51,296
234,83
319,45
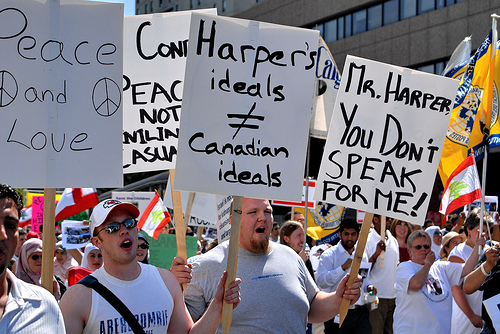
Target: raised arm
x,y
474,280
418,280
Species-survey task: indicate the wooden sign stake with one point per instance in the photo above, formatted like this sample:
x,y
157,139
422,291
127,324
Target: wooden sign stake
x,y
383,223
180,230
232,260
356,262
48,248
189,207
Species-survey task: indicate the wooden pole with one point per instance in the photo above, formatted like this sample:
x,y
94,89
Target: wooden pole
x,y
356,262
189,207
382,237
180,231
48,248
232,260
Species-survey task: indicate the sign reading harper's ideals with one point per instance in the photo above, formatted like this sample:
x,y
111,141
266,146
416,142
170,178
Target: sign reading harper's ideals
x,y
246,108
155,51
60,93
385,139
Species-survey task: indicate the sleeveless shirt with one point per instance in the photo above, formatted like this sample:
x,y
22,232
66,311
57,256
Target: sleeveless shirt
x,y
147,297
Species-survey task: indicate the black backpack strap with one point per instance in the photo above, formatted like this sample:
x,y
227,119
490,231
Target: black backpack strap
x,y
92,282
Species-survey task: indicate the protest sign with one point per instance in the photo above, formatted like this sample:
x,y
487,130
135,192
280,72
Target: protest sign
x,y
75,234
140,199
202,209
385,139
223,215
246,108
163,250
155,51
37,213
61,104
310,201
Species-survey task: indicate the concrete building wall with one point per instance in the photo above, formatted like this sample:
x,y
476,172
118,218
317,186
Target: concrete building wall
x,y
418,40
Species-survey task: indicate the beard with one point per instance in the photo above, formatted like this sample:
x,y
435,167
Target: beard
x,y
259,246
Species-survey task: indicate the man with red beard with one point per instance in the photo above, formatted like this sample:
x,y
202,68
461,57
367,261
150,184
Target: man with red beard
x,y
279,295
152,294
333,265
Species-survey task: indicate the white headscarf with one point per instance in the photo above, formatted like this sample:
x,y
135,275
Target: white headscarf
x,y
435,247
88,249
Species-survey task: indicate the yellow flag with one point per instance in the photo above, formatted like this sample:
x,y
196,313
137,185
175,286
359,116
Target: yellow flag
x,y
465,127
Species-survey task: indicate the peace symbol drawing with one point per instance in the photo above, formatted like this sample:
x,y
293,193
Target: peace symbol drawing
x,y
8,88
106,97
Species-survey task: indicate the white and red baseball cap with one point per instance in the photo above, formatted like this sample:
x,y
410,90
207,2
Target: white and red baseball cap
x,y
102,210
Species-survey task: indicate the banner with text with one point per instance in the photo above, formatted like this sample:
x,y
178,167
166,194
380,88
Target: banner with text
x,y
246,108
155,51
61,100
140,199
385,139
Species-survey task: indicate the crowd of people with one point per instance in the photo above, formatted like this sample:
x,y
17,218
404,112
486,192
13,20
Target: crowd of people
x,y
412,280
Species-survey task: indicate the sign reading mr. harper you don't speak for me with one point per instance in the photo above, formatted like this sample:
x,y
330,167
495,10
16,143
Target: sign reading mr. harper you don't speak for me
x,y
385,139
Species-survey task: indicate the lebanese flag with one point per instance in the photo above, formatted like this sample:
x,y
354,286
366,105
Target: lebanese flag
x,y
74,201
154,218
462,187
25,216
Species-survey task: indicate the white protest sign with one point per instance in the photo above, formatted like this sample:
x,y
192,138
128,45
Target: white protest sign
x,y
328,84
223,214
492,306
155,51
61,101
246,108
203,212
140,199
385,139
75,234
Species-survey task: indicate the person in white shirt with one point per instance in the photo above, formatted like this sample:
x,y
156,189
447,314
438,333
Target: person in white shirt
x,y
466,311
423,288
383,277
333,265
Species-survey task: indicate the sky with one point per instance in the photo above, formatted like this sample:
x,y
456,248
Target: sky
x,y
129,6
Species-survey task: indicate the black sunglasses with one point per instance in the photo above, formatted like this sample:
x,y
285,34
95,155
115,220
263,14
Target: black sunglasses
x,y
115,227
35,257
418,247
143,246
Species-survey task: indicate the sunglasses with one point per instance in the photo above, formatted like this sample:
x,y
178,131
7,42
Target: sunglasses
x,y
35,257
143,246
115,227
418,247
437,233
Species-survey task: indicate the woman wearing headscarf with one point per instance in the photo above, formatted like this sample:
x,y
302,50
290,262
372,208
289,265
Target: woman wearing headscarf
x,y
91,261
63,261
142,249
29,268
437,237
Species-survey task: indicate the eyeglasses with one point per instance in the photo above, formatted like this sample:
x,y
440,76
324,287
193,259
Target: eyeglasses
x,y
115,227
418,247
143,246
35,257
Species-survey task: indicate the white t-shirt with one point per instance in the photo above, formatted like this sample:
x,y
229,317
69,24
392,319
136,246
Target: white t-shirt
x,y
460,323
383,278
427,310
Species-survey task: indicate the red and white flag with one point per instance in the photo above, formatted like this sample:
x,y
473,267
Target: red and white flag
x,y
74,201
154,218
462,188
25,219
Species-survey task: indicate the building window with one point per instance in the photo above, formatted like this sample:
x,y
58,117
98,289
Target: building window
x,y
330,32
348,25
223,5
191,4
408,9
341,30
161,3
374,17
151,5
359,22
391,10
425,6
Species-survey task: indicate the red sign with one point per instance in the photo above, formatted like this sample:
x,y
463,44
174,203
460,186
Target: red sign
x,y
311,204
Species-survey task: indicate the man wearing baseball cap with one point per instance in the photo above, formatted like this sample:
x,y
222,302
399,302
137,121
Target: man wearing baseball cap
x,y
152,294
